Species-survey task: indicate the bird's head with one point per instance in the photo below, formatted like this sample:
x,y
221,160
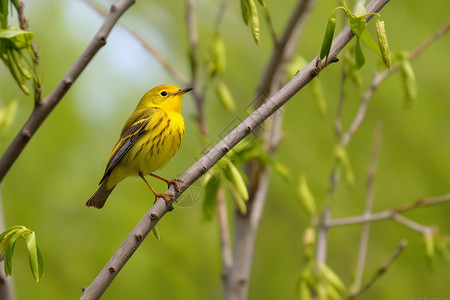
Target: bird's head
x,y
166,96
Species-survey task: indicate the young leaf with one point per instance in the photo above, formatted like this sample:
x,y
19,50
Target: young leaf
x,y
428,239
359,55
254,20
210,202
383,43
240,202
35,266
328,37
368,39
224,95
343,160
10,250
304,293
7,114
156,233
305,197
409,80
218,56
244,10
331,278
236,179
357,23
317,91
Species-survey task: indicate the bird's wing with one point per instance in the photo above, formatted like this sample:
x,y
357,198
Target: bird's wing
x,y
131,132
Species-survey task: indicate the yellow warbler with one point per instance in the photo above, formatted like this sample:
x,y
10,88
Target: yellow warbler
x,y
149,139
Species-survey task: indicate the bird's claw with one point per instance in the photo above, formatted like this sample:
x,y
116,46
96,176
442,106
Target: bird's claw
x,y
167,198
175,182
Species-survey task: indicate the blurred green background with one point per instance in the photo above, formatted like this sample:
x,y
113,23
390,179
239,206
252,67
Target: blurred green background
x,y
47,187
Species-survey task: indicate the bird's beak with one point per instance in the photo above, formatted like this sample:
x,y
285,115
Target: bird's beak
x,y
182,91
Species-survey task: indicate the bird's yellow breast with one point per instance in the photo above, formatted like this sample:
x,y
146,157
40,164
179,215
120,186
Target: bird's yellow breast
x,y
162,139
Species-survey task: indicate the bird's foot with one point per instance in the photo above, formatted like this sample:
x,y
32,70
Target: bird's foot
x,y
175,182
169,199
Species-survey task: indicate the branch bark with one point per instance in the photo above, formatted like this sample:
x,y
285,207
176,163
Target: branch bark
x,y
43,108
159,209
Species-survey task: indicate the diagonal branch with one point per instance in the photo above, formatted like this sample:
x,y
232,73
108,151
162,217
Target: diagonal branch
x,y
43,108
159,209
381,270
165,63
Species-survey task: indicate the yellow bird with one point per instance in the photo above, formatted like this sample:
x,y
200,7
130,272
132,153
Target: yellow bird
x,y
149,139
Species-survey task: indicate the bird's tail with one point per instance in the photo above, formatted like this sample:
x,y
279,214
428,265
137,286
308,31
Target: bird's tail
x,y
99,198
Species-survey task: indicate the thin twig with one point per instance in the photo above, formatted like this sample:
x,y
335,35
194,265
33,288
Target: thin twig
x,y
367,210
359,117
387,214
165,63
379,77
381,270
45,107
199,168
193,59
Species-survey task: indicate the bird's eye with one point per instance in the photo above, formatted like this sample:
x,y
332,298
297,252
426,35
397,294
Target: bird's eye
x,y
163,93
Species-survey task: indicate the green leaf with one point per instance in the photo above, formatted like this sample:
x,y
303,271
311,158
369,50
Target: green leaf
x,y
357,23
343,160
224,95
244,10
308,243
238,199
318,95
15,37
156,233
218,55
36,264
383,43
368,39
254,20
296,64
332,279
4,13
328,37
409,80
428,239
236,179
303,291
305,197
210,201
10,249
359,55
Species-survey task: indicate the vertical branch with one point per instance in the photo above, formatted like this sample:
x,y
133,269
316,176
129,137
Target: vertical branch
x,y
192,52
246,226
367,210
227,259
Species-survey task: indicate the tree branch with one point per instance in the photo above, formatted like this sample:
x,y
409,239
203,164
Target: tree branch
x,y
367,211
246,226
43,108
381,270
159,209
389,214
165,63
359,117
